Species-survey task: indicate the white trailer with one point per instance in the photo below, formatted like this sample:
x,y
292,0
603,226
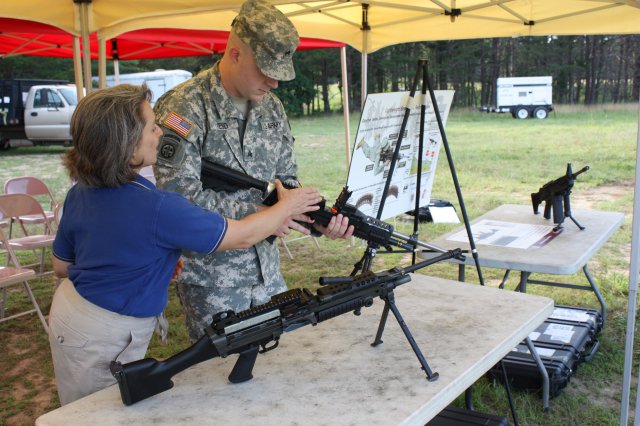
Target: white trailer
x,y
524,97
159,81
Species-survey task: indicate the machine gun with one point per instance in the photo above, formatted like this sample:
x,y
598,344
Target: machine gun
x,y
555,193
258,329
219,177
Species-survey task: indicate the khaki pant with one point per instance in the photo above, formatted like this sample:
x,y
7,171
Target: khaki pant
x,y
85,338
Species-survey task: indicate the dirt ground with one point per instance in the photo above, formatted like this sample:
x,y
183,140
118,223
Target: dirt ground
x,y
27,366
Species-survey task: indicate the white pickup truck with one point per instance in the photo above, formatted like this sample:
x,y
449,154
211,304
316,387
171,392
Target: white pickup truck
x,y
36,110
39,111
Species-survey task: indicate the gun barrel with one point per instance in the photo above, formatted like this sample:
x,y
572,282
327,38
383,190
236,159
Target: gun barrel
x,y
410,240
582,170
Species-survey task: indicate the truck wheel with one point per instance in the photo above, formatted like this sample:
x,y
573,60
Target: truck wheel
x,y
522,113
540,113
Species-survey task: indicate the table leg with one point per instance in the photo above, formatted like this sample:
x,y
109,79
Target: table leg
x,y
543,372
461,272
524,277
594,287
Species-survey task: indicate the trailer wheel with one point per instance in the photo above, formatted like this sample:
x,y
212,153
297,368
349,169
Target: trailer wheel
x,y
522,113
540,113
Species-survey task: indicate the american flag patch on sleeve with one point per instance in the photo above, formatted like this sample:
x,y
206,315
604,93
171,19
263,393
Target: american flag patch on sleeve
x,y
179,124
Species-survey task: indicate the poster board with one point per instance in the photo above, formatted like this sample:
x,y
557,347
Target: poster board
x,y
375,142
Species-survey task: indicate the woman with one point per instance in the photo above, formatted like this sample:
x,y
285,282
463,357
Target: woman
x,y
120,239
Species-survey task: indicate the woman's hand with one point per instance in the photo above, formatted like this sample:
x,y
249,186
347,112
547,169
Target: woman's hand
x,y
298,200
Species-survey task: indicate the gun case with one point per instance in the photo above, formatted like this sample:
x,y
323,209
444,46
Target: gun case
x,y
565,340
574,315
454,416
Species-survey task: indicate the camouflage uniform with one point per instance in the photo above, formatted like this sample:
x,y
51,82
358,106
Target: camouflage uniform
x,y
201,121
232,279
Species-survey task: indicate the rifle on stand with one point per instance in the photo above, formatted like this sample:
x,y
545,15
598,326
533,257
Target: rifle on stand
x,y
556,196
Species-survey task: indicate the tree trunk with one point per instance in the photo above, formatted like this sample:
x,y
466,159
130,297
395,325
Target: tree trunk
x,y
324,81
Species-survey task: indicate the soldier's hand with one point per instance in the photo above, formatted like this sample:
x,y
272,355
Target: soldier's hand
x,y
338,227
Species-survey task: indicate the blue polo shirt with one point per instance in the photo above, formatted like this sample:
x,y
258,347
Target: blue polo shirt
x,y
123,243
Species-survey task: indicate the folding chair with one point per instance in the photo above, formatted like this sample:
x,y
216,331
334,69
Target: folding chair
x,y
286,247
17,205
36,188
57,213
14,275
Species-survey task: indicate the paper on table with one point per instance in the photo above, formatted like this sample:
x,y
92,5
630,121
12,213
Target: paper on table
x,y
445,214
507,234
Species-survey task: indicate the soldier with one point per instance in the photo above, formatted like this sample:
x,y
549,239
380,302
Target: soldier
x,y
228,115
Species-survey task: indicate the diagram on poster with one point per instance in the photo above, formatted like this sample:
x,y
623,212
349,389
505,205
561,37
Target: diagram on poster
x,y
378,133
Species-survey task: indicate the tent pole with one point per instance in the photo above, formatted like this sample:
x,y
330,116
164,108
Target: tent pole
x,y
345,104
365,48
116,71
115,57
77,67
363,96
86,47
632,299
102,63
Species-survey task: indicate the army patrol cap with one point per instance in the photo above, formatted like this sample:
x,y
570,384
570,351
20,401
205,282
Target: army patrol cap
x,y
270,35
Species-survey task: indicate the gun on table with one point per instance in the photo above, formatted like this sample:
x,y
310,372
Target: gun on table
x,y
556,195
258,329
368,228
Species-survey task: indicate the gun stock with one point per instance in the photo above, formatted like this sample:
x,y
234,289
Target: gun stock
x,y
222,178
141,379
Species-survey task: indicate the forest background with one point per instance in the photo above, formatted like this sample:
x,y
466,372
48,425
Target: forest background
x,y
586,70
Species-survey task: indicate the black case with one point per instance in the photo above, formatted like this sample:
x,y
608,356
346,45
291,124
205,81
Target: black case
x,y
454,416
574,315
523,373
563,341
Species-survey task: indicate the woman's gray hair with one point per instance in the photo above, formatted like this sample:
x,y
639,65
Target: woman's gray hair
x,y
106,128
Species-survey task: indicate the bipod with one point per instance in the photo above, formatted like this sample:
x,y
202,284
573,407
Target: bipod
x,y
567,205
365,262
390,304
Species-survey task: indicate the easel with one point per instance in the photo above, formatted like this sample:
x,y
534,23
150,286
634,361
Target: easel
x,y
364,264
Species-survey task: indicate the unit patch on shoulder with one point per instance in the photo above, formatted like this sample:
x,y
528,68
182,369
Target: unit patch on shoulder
x,y
170,150
178,124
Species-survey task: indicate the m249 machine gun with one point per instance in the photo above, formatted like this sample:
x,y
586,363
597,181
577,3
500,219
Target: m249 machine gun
x,y
219,177
258,329
556,195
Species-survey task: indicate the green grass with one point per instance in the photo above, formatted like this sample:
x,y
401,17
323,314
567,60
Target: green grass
x,y
498,160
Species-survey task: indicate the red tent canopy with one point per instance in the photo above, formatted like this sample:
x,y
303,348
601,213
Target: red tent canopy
x,y
29,38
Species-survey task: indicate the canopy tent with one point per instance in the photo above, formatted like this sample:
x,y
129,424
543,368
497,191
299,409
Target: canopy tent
x,y
368,25
21,37
386,23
